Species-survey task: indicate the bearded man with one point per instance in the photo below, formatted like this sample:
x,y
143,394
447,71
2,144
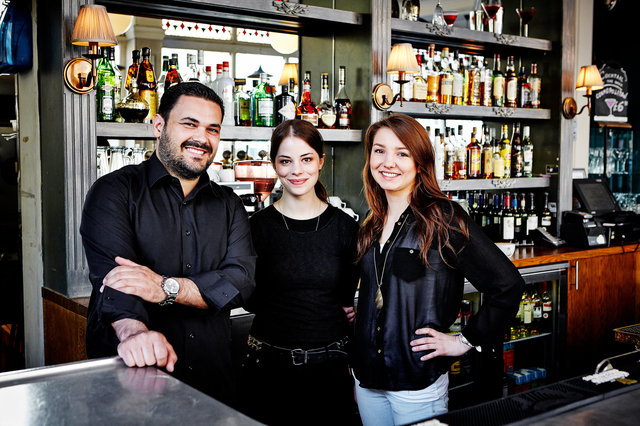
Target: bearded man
x,y
169,251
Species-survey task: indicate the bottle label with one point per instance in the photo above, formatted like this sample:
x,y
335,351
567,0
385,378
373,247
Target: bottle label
x,y
537,312
311,118
244,106
474,162
528,314
457,89
498,167
532,223
487,164
344,120
486,89
264,108
508,225
534,94
150,76
432,87
446,86
328,119
449,160
106,103
498,87
288,111
420,90
512,90
545,221
151,97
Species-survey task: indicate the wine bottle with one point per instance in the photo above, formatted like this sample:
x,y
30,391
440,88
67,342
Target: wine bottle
x,y
474,154
535,86
241,104
343,103
517,158
498,83
527,153
511,84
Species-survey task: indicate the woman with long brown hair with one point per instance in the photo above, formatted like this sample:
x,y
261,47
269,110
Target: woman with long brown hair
x,y
296,370
415,248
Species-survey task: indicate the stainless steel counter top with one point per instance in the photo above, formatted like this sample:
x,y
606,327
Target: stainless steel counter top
x,y
106,392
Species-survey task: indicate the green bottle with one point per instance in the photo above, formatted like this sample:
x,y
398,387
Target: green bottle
x,y
262,103
105,88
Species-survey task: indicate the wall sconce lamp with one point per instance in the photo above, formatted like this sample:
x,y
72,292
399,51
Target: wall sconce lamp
x,y
589,79
92,29
401,61
289,71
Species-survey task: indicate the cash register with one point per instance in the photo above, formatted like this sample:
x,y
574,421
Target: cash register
x,y
599,221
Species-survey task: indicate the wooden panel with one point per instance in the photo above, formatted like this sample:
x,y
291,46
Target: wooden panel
x,y
531,256
603,300
65,322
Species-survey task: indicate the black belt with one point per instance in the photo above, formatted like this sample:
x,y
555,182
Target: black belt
x,y
335,350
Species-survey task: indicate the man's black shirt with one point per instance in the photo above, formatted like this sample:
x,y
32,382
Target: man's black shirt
x,y
139,213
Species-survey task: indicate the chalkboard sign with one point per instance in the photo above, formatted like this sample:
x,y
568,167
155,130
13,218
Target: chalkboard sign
x,y
611,103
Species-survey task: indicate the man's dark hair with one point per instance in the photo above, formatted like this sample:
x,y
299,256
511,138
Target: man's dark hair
x,y
187,88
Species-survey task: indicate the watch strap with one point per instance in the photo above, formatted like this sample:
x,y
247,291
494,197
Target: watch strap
x,y
170,296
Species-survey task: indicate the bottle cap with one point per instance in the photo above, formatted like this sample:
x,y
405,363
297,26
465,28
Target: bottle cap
x,y
207,68
146,51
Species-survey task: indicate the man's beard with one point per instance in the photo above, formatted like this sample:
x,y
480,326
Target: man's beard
x,y
174,160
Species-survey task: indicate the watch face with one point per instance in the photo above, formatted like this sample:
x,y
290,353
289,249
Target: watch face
x,y
171,286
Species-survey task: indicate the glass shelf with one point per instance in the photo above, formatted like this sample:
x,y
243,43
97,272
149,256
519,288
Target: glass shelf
x,y
432,109
420,31
143,131
494,184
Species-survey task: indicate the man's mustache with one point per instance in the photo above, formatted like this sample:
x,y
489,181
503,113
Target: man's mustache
x,y
196,144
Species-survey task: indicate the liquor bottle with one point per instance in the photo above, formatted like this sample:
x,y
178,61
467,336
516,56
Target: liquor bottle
x,y
410,10
537,308
517,158
326,111
520,314
117,90
486,212
527,314
201,68
163,77
438,147
262,103
433,76
173,76
505,151
133,69
486,85
535,86
524,89
446,77
192,68
147,85
474,160
498,160
241,104
517,219
496,215
547,308
465,79
511,84
524,215
226,86
487,156
507,220
105,88
208,79
532,218
449,155
419,84
395,9
498,83
460,164
285,106
474,86
343,103
216,82
457,90
306,109
545,216
527,153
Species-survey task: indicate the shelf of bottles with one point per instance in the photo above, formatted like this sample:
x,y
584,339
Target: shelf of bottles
x,y
401,28
494,184
432,109
143,131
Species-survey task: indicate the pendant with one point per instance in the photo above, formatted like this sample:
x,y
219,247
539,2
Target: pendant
x,y
379,299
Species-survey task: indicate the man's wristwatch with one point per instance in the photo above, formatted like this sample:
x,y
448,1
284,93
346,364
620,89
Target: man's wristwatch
x,y
171,286
464,340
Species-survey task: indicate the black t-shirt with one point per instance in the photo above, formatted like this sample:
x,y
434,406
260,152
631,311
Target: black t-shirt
x,y
305,274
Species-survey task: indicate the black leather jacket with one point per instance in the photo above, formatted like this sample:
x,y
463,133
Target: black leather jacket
x,y
416,296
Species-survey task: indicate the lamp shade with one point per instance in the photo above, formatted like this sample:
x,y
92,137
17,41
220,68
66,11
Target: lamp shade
x,y
589,77
284,43
289,71
120,23
402,58
93,26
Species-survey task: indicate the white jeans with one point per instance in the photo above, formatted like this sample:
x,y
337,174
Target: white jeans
x,y
386,408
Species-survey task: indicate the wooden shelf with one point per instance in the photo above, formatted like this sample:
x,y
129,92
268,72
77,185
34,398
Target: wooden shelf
x,y
143,131
410,30
432,109
494,184
259,14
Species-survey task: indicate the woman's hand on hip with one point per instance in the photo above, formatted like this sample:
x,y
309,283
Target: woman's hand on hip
x,y
440,343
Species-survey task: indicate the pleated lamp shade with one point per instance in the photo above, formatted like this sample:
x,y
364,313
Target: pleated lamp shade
x,y
589,77
289,71
402,58
93,26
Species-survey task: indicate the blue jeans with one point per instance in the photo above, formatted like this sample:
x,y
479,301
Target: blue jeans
x,y
385,408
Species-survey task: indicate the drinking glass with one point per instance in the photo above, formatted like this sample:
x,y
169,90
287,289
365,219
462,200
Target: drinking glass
x,y
491,8
450,17
438,16
526,15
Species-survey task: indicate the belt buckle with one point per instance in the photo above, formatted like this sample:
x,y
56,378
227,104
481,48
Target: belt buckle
x,y
254,343
295,352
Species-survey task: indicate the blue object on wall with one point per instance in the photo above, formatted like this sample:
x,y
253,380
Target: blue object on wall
x,y
16,38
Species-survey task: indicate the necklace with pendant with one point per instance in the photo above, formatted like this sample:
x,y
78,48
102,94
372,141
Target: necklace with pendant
x,y
287,225
380,277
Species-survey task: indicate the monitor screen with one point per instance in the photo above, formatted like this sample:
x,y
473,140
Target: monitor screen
x,y
594,196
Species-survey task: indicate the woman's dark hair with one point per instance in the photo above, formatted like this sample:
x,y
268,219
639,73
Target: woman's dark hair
x,y
308,133
433,222
187,88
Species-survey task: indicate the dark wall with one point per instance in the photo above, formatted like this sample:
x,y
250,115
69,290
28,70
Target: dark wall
x,y
614,37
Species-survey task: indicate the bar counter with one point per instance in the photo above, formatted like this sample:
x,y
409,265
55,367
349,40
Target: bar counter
x,y
537,255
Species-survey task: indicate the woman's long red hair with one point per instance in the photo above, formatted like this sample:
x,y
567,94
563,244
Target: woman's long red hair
x,y
426,200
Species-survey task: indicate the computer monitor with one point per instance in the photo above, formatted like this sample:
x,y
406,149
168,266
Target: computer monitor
x,y
595,196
